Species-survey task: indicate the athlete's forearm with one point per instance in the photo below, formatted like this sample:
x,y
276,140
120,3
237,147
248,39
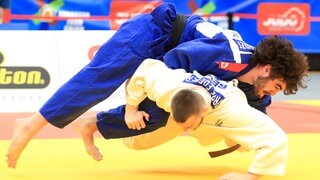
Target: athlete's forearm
x,y
131,107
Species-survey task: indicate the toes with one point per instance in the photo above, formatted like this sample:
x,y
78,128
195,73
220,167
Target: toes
x,y
94,153
98,157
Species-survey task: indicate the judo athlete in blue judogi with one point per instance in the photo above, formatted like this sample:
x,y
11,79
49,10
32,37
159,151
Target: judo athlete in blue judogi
x,y
143,37
188,42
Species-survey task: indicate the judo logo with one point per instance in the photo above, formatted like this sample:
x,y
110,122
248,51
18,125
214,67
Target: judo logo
x,y
290,19
218,123
284,18
224,65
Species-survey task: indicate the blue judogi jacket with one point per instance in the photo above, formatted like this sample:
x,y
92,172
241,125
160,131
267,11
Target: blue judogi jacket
x,y
194,55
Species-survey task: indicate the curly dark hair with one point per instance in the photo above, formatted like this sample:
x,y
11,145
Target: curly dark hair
x,y
287,63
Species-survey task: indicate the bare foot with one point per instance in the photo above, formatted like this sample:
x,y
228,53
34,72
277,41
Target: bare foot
x,y
86,128
24,130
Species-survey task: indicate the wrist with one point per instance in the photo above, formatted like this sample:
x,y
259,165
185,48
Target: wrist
x,y
131,107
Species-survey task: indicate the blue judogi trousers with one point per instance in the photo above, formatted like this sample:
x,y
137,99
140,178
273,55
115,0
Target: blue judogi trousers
x,y
144,36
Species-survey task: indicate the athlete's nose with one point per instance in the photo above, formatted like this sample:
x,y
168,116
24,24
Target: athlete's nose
x,y
274,92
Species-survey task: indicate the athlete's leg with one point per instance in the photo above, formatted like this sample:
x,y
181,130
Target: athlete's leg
x,y
24,130
155,138
87,126
159,129
144,36
111,124
115,60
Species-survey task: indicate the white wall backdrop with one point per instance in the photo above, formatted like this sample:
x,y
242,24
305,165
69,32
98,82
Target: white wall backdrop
x,y
60,53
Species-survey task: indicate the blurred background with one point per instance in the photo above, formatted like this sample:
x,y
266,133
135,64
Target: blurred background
x,y
298,20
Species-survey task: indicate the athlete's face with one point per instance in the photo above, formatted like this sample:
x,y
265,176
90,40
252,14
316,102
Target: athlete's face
x,y
266,86
193,122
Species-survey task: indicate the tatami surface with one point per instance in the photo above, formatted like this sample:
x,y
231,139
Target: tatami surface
x,y
181,158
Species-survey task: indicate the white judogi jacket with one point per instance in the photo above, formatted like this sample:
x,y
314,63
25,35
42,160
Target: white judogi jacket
x,y
228,113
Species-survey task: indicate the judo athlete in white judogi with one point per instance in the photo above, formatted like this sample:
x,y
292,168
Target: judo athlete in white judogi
x,y
226,115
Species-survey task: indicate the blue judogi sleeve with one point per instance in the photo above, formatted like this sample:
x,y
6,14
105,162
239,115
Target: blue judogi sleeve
x,y
209,56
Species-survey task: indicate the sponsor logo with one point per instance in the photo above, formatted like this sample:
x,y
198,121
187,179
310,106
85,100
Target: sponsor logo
x,y
121,11
47,11
18,77
1,58
23,77
284,18
92,51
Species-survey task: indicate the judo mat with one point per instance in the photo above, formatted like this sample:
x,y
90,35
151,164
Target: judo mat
x,y
59,154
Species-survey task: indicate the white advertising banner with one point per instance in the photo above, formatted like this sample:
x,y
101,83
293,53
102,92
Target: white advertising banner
x,y
33,64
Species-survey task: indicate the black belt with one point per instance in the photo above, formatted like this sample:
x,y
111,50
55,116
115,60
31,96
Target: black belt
x,y
177,29
214,154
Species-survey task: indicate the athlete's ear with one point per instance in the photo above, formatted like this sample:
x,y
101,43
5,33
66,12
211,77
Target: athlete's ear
x,y
266,70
